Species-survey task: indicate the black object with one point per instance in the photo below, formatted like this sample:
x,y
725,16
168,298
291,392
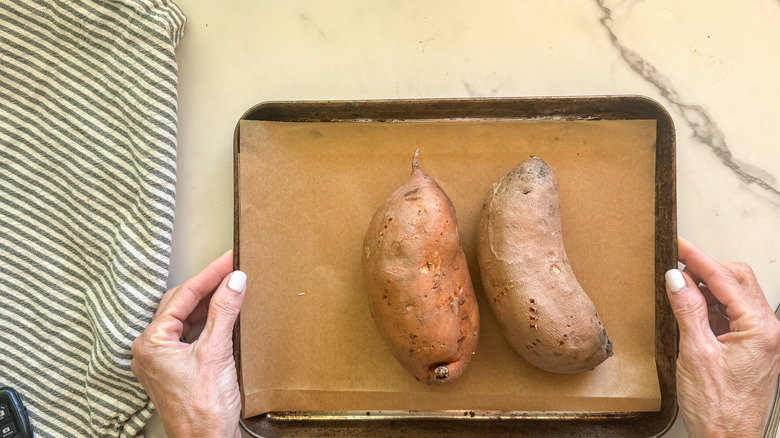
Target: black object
x,y
13,416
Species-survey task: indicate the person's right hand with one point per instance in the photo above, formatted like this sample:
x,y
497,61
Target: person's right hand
x,y
725,381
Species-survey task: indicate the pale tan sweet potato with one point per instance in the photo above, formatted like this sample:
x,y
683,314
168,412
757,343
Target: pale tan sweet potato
x,y
419,288
541,308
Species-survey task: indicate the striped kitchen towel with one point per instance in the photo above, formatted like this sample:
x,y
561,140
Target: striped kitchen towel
x,y
87,179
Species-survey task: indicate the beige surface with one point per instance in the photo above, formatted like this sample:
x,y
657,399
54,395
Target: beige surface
x,y
306,194
237,53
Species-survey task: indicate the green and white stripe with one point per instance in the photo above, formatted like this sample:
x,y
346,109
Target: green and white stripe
x,y
87,184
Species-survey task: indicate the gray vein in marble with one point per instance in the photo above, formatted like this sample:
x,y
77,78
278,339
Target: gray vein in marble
x,y
704,127
309,23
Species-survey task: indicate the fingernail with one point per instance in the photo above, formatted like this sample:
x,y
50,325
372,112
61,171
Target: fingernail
x,y
675,280
237,281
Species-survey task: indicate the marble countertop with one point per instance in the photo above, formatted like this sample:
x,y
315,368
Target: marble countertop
x,y
713,66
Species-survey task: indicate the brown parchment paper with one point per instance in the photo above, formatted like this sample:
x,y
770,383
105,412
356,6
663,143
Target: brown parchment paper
x,y
307,192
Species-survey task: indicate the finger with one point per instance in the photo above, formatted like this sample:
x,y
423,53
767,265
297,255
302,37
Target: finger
x,y
225,306
747,278
696,280
705,291
169,330
742,272
164,301
720,281
164,330
187,296
689,307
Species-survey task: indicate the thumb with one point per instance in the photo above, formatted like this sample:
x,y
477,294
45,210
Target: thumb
x,y
689,307
224,308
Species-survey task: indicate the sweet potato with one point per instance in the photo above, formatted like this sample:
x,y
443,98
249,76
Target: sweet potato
x,y
541,308
419,288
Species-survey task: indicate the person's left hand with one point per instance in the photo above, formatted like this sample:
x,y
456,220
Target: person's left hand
x,y
194,385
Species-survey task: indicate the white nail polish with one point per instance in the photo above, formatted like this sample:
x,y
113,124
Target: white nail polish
x,y
675,280
237,281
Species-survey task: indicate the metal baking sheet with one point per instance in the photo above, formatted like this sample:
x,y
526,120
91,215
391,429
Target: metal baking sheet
x,y
504,423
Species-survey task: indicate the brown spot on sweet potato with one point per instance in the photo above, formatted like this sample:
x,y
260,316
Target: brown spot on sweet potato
x,y
414,191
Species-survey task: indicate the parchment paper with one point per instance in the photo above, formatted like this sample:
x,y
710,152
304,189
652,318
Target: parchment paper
x,y
307,192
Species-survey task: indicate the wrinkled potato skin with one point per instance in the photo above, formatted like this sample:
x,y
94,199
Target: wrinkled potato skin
x,y
541,308
419,288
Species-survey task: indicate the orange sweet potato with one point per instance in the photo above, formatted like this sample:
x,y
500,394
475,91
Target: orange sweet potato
x,y
541,308
419,288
